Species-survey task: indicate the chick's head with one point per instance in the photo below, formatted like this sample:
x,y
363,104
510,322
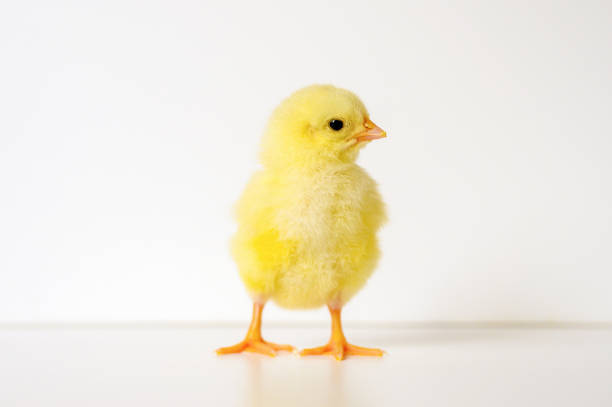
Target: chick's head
x,y
317,125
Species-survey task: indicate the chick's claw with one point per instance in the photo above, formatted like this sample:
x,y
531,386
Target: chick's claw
x,y
278,347
361,351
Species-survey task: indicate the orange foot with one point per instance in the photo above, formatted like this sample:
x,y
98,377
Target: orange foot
x,y
340,350
256,346
338,346
253,341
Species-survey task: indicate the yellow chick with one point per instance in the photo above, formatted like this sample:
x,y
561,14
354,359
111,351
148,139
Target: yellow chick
x,y
307,221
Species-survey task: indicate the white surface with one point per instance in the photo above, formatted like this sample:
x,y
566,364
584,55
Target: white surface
x,y
170,367
129,129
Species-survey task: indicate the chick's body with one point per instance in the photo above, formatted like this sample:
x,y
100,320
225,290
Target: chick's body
x,y
307,221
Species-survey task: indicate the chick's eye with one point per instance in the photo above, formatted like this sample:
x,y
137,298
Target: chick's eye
x,y
336,124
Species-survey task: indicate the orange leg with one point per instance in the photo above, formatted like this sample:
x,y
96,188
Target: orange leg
x,y
337,345
253,342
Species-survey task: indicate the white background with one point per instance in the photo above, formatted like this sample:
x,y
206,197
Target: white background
x,y
128,129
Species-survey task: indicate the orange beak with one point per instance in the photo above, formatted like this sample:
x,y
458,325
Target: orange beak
x,y
372,132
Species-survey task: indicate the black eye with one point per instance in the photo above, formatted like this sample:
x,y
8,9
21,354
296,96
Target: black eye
x,y
336,124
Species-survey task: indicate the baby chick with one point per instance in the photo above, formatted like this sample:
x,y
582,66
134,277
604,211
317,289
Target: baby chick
x,y
307,221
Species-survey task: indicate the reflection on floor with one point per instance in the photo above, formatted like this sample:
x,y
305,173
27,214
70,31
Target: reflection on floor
x,y
157,366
